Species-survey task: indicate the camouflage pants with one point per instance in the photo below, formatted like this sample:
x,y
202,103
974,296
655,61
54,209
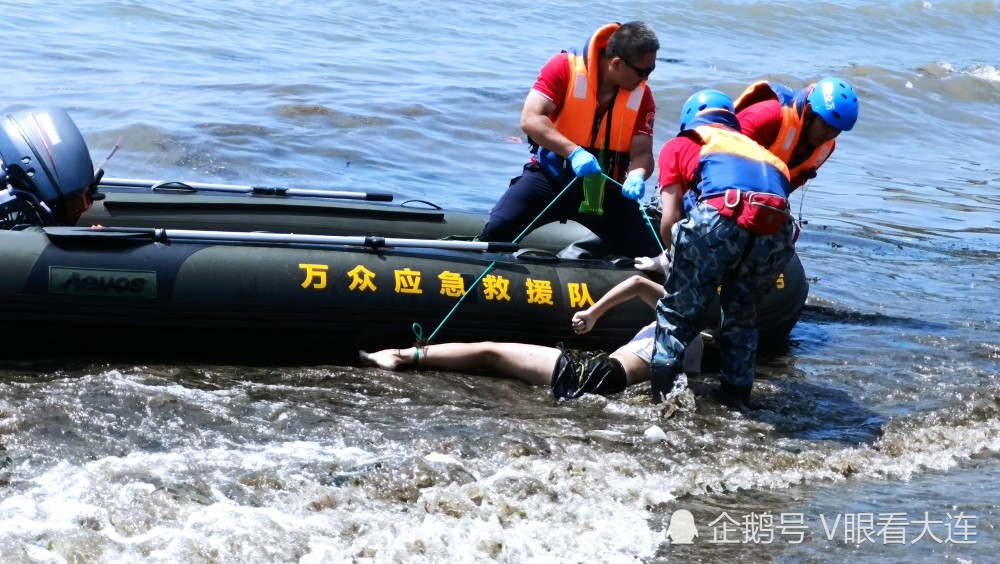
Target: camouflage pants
x,y
709,252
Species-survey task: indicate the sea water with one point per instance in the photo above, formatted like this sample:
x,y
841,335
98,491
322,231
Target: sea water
x,y
877,434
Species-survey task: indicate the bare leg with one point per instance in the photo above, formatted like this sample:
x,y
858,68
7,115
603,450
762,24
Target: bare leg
x,y
528,363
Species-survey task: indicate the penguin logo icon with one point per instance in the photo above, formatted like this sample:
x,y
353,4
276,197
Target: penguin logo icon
x,y
682,529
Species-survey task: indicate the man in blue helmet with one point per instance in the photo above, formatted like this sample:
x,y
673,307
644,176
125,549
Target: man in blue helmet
x,y
799,127
727,227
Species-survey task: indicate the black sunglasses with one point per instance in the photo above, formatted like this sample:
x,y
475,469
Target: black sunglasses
x,y
643,73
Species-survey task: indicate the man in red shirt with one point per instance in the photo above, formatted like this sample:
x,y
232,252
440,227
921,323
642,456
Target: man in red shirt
x,y
589,114
725,218
798,127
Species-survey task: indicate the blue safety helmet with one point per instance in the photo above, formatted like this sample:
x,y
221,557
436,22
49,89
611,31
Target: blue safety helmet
x,y
705,100
835,101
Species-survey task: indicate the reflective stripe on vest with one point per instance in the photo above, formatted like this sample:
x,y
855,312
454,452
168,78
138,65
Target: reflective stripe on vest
x,y
579,108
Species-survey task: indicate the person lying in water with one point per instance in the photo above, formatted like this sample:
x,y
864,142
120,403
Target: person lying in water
x,y
570,372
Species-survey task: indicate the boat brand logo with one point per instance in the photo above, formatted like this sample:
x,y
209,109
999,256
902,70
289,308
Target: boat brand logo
x,y
828,95
44,120
95,282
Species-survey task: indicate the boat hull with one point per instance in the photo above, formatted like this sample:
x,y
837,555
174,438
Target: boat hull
x,y
85,295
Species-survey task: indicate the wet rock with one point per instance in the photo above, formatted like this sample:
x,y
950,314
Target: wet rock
x,y
264,480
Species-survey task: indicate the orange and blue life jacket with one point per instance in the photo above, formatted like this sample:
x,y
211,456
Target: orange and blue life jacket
x,y
609,132
731,160
793,115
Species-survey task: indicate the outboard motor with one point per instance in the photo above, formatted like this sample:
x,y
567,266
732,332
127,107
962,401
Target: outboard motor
x,y
49,174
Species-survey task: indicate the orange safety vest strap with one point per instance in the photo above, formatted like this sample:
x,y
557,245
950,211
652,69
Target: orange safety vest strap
x,y
757,92
578,119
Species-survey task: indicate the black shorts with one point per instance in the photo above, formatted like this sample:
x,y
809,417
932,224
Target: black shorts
x,y
586,372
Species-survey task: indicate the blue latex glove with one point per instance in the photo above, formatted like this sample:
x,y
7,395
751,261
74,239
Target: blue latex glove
x,y
584,163
635,185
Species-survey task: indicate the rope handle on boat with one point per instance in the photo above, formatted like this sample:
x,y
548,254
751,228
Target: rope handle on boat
x,y
432,205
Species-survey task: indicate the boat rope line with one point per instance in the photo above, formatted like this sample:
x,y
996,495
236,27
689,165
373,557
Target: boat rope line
x,y
649,222
418,331
802,199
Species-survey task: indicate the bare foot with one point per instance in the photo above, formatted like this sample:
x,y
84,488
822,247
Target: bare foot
x,y
387,359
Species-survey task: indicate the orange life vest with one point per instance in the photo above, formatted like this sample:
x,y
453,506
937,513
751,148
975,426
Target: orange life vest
x,y
729,159
578,119
792,124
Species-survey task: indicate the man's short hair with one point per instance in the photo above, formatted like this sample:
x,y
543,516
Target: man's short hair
x,y
632,41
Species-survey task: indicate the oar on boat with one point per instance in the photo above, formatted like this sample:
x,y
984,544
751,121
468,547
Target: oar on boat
x,y
159,235
180,186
